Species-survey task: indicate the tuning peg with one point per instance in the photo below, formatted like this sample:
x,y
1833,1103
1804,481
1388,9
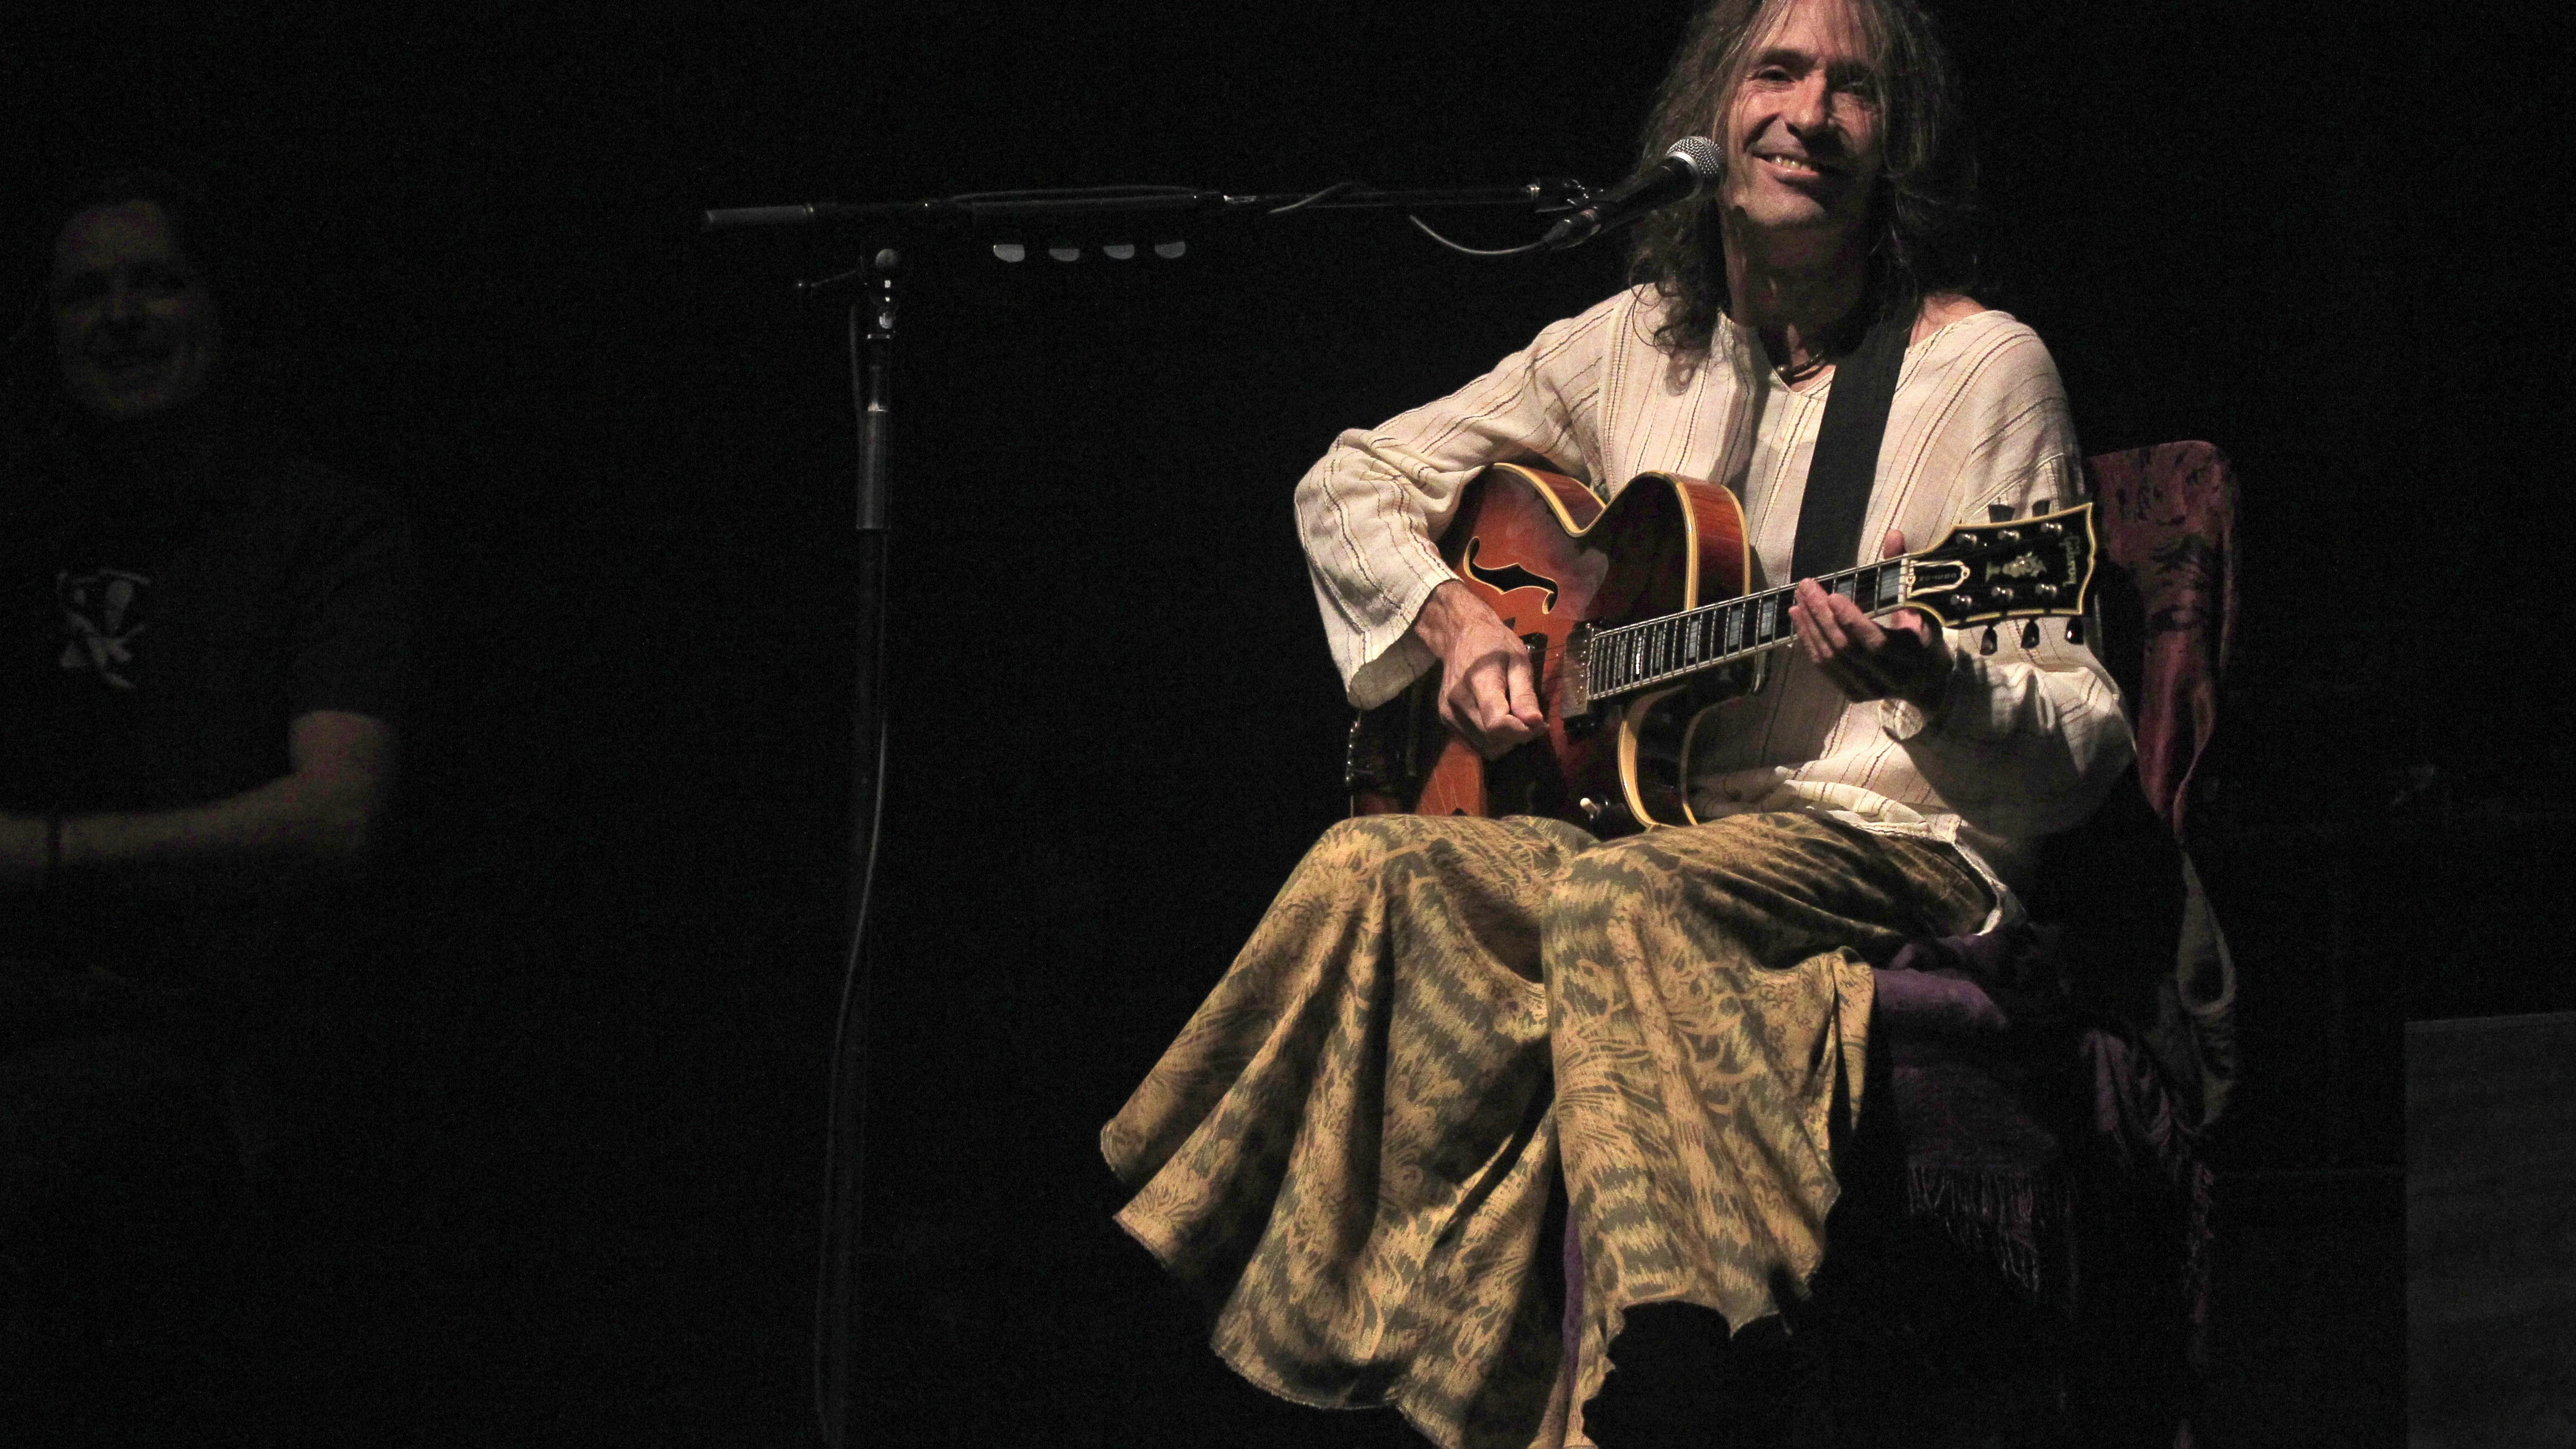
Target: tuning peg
x,y
1988,647
2075,630
2030,634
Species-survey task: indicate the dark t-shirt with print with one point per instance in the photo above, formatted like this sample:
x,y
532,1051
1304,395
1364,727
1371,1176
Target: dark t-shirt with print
x,y
155,640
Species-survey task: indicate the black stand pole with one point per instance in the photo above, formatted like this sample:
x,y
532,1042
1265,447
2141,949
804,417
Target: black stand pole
x,y
871,345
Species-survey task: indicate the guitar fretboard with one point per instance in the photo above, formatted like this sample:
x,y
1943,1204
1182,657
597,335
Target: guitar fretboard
x,y
1633,656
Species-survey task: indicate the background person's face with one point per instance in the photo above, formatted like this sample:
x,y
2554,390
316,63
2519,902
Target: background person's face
x,y
134,326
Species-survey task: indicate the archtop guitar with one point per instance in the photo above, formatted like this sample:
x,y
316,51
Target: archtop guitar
x,y
1638,620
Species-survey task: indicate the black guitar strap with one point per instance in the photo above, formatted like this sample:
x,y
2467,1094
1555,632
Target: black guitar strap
x,y
1846,460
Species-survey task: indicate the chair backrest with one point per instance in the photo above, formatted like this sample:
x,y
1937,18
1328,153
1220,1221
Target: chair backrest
x,y
2168,519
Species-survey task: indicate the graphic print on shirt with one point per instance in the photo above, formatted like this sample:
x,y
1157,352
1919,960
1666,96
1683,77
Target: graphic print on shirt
x,y
101,616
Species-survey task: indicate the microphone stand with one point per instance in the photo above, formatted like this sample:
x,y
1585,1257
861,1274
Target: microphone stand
x,y
870,329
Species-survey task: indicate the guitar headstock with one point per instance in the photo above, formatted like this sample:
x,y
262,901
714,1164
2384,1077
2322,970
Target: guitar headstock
x,y
2019,568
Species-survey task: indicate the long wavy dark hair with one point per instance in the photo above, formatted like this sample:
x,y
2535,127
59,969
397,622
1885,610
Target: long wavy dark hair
x,y
1924,204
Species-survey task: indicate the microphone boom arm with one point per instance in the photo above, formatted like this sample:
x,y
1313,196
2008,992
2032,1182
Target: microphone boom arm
x,y
979,209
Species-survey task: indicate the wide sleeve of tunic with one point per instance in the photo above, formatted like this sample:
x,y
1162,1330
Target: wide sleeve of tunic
x,y
2024,742
1369,510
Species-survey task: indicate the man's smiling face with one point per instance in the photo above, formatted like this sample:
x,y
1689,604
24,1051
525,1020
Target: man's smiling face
x,y
134,326
1803,131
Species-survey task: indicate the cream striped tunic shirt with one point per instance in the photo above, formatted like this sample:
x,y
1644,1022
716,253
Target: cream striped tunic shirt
x,y
2026,742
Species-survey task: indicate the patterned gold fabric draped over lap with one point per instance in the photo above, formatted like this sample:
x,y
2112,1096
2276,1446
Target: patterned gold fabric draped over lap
x,y
1351,1143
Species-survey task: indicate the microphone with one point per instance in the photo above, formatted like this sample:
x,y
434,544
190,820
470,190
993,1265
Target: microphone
x,y
1692,166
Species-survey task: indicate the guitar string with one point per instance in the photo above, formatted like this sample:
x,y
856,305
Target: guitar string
x,y
1828,580
1750,603
1595,649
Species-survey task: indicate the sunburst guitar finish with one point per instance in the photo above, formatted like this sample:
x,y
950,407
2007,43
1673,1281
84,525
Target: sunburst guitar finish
x,y
1556,563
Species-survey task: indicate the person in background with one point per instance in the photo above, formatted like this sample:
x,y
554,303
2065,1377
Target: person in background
x,y
202,644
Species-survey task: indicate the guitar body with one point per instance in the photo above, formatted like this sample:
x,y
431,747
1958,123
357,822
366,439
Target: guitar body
x,y
1554,562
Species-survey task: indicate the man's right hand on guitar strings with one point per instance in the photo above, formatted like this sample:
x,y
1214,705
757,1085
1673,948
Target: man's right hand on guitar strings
x,y
1486,693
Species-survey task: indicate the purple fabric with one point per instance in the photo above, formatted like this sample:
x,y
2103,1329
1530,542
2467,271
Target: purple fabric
x,y
1991,985
1996,1133
1938,1003
2168,519
2143,1133
1970,1031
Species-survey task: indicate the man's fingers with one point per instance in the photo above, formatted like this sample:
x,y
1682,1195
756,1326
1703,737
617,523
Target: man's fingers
x,y
1829,627
1492,706
1515,719
1460,715
1846,623
1829,624
1863,658
1807,617
1484,704
1522,693
1811,636
1893,544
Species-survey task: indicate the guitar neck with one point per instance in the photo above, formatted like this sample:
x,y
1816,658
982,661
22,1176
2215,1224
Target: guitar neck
x,y
1637,656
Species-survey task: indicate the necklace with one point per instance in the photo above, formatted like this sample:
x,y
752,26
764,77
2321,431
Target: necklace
x,y
1798,372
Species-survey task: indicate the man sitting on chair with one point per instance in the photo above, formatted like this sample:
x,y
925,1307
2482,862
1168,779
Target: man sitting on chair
x,y
1352,1143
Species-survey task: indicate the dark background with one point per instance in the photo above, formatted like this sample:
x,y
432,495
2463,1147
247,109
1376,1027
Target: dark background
x,y
576,1073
